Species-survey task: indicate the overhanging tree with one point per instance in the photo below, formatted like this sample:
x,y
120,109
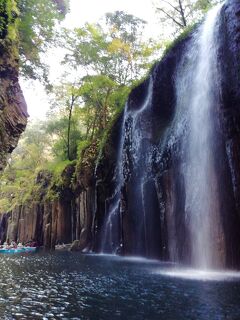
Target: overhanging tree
x,y
179,14
37,32
111,57
115,48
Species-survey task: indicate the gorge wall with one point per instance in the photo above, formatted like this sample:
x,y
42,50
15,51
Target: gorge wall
x,y
176,186
136,200
13,109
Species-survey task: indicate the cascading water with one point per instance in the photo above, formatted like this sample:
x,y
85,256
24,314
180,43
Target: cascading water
x,y
131,130
111,238
165,198
202,208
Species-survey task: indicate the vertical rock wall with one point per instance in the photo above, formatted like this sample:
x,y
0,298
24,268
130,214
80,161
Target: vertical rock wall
x,y
81,210
152,219
51,222
13,109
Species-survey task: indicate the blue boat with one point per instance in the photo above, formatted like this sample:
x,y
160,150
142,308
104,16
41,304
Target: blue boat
x,y
18,250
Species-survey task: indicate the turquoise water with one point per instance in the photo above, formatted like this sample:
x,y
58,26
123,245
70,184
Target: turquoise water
x,y
66,285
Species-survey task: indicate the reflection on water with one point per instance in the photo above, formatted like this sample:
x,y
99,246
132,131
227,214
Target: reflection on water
x,y
202,275
72,286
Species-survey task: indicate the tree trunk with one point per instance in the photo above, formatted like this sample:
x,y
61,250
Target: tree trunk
x,y
69,126
184,21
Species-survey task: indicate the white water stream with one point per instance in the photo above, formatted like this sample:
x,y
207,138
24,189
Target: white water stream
x,y
202,204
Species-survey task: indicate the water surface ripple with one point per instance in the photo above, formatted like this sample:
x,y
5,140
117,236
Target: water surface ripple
x,y
66,285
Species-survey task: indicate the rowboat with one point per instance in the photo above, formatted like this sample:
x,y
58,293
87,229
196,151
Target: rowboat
x,y
18,250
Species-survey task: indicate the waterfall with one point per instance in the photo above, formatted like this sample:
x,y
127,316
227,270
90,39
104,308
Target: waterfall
x,y
164,197
197,92
111,231
131,134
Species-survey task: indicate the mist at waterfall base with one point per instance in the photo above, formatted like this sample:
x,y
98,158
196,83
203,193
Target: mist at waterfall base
x,y
191,230
64,285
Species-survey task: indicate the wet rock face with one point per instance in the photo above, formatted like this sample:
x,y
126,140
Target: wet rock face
x,y
149,207
153,188
229,126
13,109
51,222
142,137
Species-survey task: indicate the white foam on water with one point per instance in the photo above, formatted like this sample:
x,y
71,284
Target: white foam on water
x,y
201,275
139,259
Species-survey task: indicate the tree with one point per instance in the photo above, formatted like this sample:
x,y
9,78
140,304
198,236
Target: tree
x,y
19,176
181,13
56,131
177,12
37,32
111,57
61,120
32,150
114,49
102,97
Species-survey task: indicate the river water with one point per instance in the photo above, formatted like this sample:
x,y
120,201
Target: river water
x,y
67,285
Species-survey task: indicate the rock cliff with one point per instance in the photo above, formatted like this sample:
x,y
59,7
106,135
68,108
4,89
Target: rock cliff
x,y
106,217
13,109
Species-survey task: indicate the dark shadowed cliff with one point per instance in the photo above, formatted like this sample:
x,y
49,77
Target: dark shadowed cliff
x,y
13,110
133,198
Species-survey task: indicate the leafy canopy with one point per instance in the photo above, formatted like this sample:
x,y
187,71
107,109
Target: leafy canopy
x,y
176,15
37,32
114,48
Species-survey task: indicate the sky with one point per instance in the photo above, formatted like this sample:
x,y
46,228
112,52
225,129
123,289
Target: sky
x,y
82,11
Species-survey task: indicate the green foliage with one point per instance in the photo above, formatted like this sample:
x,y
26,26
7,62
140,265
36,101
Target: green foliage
x,y
107,132
32,174
61,178
183,35
33,23
204,5
198,9
8,19
82,146
113,49
37,33
102,97
56,129
112,59
57,167
176,15
18,180
112,56
64,124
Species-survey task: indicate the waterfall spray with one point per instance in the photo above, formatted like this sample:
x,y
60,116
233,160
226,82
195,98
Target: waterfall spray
x,y
202,199
111,236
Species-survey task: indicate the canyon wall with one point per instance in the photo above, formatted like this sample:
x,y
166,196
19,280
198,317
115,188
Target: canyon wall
x,y
150,214
139,207
13,109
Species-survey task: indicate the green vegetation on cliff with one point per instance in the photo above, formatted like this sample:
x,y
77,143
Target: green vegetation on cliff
x,y
8,19
108,59
113,57
37,32
31,23
177,15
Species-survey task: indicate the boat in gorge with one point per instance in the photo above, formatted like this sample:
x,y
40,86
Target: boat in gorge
x,y
18,250
134,179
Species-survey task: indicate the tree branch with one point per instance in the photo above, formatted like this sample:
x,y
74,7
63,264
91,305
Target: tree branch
x,y
182,13
170,17
175,8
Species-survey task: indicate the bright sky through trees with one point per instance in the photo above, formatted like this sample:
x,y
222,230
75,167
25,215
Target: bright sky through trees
x,y
82,11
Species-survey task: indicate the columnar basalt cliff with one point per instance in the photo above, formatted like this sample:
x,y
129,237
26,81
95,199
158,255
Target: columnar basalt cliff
x,y
13,110
141,198
178,195
56,213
